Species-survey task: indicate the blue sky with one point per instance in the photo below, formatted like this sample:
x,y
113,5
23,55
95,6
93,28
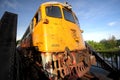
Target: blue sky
x,y
100,19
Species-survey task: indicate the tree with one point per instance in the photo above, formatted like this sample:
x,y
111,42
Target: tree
x,y
96,45
110,44
17,42
105,43
118,43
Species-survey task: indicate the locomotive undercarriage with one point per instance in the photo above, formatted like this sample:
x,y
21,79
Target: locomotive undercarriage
x,y
54,66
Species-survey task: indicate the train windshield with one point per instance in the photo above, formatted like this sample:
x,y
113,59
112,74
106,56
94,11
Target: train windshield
x,y
76,20
53,11
68,15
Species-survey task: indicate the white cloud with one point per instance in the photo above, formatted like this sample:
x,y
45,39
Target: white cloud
x,y
112,23
100,35
96,36
92,11
7,3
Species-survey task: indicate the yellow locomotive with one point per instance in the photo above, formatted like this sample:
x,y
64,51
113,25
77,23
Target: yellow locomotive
x,y
56,37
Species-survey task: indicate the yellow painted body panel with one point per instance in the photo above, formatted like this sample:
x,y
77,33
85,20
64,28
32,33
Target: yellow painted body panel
x,y
57,34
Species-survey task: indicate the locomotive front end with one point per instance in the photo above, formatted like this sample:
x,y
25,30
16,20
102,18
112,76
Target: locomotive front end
x,y
54,45
64,54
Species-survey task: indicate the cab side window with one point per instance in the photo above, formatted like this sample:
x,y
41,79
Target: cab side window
x,y
31,26
37,17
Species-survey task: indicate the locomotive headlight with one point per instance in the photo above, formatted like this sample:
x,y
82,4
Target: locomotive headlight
x,y
67,5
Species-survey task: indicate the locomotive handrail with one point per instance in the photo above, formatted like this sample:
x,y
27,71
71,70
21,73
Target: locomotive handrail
x,y
104,64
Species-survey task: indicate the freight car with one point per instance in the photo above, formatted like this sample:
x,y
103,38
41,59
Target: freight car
x,y
53,42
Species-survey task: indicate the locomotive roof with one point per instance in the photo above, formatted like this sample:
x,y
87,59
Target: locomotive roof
x,y
52,2
55,2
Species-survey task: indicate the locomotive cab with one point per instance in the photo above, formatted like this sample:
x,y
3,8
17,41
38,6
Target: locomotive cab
x,y
58,28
